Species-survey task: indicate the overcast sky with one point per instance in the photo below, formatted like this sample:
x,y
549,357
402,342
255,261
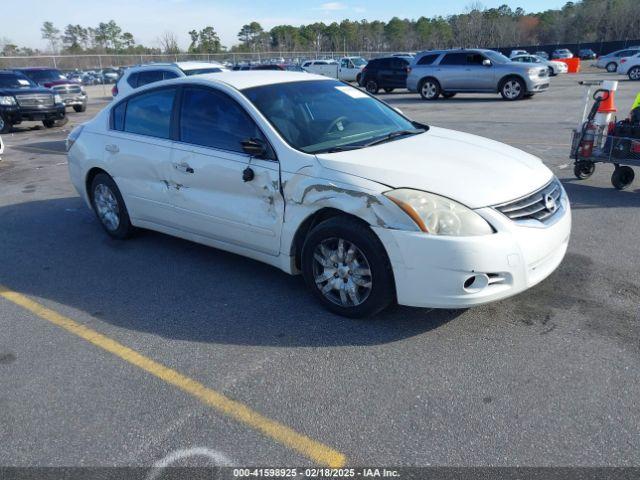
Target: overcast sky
x,y
147,19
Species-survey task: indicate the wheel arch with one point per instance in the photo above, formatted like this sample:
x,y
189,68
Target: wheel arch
x,y
91,174
508,76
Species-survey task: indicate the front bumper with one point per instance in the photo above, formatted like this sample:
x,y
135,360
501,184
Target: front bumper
x,y
16,114
537,84
71,100
430,270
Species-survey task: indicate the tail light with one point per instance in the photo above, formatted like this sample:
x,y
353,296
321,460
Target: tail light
x,y
114,90
73,136
635,147
624,60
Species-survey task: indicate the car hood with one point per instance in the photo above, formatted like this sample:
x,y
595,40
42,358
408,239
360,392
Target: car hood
x,y
472,170
23,91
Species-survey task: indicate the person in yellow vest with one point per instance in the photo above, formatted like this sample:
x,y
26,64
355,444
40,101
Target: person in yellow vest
x,y
635,111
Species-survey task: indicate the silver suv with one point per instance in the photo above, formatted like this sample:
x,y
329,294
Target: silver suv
x,y
447,72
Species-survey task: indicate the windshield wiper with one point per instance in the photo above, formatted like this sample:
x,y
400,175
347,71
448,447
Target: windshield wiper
x,y
344,148
396,134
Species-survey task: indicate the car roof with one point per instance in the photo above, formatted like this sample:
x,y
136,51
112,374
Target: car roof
x,y
253,78
192,65
34,69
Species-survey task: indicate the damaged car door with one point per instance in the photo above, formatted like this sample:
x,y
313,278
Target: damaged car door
x,y
220,191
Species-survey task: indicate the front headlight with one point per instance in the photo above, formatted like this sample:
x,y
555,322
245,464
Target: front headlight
x,y
8,100
438,215
57,98
533,72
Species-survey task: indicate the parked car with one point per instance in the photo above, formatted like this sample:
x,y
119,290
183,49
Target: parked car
x,y
283,67
630,66
72,92
347,69
561,53
110,75
21,99
517,53
140,75
542,54
447,72
554,67
587,54
404,54
311,175
387,73
610,61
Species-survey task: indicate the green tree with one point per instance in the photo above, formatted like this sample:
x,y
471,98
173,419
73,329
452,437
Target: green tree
x,y
51,34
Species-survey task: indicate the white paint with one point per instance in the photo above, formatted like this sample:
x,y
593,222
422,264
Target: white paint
x,y
218,458
259,219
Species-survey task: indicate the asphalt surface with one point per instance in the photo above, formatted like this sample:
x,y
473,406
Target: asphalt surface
x,y
548,378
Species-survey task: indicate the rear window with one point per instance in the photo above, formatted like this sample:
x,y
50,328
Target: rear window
x,y
427,59
149,76
200,71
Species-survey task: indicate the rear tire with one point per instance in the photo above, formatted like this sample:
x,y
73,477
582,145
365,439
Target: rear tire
x,y
512,89
611,67
355,281
109,207
372,87
49,123
430,89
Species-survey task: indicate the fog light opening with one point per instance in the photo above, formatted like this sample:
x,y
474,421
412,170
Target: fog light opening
x,y
475,283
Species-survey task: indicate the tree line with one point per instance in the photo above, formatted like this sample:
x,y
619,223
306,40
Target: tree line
x,y
576,22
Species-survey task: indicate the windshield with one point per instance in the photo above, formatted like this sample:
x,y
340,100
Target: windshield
x,y
46,75
323,115
12,80
496,57
358,61
200,71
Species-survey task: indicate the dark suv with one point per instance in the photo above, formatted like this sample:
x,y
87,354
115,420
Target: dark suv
x,y
21,99
71,91
386,73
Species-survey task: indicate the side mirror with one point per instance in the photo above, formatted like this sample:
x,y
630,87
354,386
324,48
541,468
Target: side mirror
x,y
486,62
254,147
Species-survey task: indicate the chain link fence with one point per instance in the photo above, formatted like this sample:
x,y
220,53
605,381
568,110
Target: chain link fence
x,y
94,62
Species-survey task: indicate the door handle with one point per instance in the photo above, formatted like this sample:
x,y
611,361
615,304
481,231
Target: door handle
x,y
183,167
112,148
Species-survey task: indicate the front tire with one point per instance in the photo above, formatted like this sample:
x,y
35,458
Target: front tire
x,y
347,268
80,108
513,89
583,169
634,74
49,123
430,89
109,207
622,177
5,125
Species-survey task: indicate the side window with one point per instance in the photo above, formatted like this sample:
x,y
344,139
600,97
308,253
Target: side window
x,y
454,59
475,59
150,113
399,63
169,74
117,113
344,63
427,59
212,119
384,63
149,76
132,80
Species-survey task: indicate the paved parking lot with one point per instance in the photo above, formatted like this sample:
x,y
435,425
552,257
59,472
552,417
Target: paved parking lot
x,y
205,349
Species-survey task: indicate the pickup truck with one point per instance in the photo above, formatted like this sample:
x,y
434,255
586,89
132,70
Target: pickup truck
x,y
22,100
347,69
72,92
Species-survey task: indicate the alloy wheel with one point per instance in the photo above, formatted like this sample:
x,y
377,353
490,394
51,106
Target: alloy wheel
x,y
512,89
429,90
341,272
106,207
634,73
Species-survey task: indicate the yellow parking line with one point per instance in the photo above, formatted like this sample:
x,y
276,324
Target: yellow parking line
x,y
311,449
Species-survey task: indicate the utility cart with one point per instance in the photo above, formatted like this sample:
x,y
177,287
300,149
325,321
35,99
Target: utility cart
x,y
616,143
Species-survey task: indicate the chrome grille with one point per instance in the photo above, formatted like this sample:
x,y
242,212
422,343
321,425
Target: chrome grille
x,y
66,89
35,100
541,205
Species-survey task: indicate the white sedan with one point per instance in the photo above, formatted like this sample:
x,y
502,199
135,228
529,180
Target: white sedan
x,y
556,67
630,66
316,177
